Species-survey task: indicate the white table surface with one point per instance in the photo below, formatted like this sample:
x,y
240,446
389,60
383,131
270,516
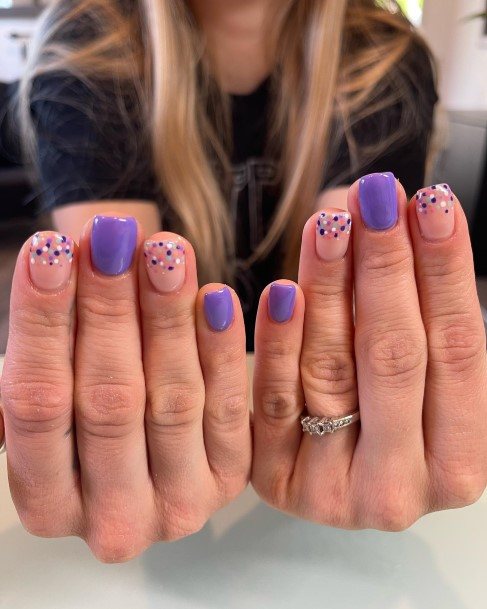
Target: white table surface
x,y
250,556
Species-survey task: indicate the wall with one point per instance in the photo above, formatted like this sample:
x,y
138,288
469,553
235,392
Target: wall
x,y
461,50
11,60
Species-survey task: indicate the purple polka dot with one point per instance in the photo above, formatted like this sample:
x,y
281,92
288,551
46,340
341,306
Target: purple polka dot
x,y
335,218
38,252
322,231
446,211
154,261
349,221
170,268
319,223
342,228
423,204
161,243
168,253
63,239
433,200
56,253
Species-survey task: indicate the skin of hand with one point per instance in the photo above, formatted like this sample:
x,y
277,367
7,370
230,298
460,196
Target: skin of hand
x,y
124,389
166,398
413,361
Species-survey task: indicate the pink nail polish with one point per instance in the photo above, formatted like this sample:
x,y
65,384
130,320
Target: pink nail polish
x,y
50,259
436,213
166,262
333,228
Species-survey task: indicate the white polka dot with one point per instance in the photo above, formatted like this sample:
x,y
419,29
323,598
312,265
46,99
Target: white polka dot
x,y
59,248
161,263
70,260
44,262
56,261
443,204
45,248
178,261
32,260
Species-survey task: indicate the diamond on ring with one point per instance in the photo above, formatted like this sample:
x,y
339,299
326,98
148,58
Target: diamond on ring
x,y
319,426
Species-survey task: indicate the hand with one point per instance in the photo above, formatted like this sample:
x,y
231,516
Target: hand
x,y
415,363
124,390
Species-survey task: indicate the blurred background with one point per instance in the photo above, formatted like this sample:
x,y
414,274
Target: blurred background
x,y
457,33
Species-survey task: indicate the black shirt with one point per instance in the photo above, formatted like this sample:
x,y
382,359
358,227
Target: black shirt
x,y
88,155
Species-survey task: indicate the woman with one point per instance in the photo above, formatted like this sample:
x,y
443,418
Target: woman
x,y
237,123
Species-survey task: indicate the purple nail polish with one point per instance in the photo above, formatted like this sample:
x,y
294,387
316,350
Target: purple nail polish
x,y
218,307
378,200
281,302
113,242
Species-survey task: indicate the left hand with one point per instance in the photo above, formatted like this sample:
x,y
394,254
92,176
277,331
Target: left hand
x,y
414,362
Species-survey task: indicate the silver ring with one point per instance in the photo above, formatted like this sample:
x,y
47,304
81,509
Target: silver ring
x,y
3,447
319,426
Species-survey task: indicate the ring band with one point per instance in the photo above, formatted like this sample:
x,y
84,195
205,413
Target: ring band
x,y
3,447
319,426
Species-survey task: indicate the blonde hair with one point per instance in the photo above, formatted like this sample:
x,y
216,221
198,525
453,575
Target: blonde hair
x,y
334,62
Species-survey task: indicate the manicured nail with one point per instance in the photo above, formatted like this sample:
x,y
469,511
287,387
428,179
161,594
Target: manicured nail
x,y
218,307
282,298
113,242
333,229
436,215
50,259
166,262
378,200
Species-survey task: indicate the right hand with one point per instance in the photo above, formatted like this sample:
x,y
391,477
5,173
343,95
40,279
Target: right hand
x,y
126,413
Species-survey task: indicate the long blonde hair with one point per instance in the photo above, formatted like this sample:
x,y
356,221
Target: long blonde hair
x,y
331,58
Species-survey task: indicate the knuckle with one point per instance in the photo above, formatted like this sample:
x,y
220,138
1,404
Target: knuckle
x,y
457,344
174,407
393,354
40,522
219,361
36,405
333,373
274,348
110,549
393,512
462,491
277,406
108,410
33,322
387,261
97,310
230,409
174,319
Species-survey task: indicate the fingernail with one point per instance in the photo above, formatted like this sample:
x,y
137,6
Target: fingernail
x,y
113,242
282,298
333,229
378,200
166,262
218,307
50,258
436,215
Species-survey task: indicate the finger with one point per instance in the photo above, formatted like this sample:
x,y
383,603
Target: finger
x,y
327,358
221,344
174,381
2,431
278,396
455,416
110,387
37,386
390,342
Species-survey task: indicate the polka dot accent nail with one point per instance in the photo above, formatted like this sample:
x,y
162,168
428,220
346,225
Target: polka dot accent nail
x,y
165,261
435,210
50,259
333,228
